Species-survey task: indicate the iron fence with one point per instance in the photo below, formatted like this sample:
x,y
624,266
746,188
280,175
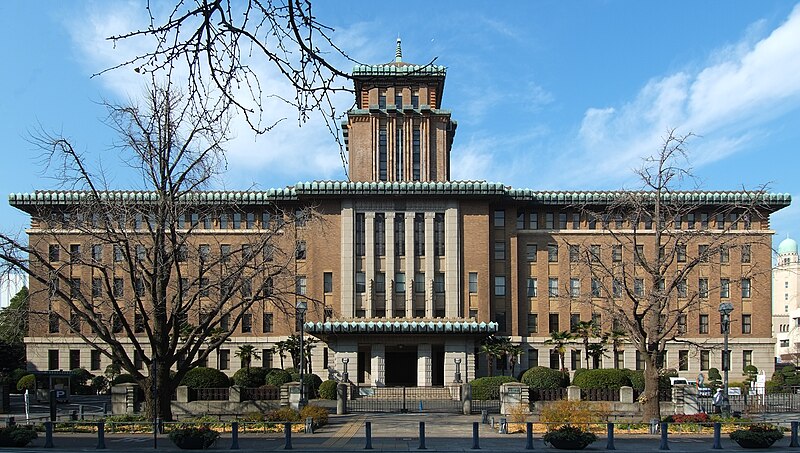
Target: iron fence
x,y
261,393
603,394
548,394
211,394
406,399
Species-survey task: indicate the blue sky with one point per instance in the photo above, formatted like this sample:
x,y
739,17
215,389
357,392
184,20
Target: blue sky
x,y
549,95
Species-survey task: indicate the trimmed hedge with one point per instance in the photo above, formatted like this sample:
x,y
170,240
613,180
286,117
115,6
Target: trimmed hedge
x,y
204,378
27,382
602,378
327,390
278,377
488,388
540,377
124,378
636,377
254,377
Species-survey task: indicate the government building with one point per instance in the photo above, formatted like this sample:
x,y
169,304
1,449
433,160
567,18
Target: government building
x,y
406,271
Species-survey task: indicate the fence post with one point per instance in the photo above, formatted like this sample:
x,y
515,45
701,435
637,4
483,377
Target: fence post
x,y
48,434
368,435
422,436
664,436
475,440
287,434
793,443
717,440
529,436
235,436
610,442
101,435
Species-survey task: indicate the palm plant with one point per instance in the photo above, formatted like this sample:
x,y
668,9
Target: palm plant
x,y
247,353
513,352
586,330
616,337
559,340
281,347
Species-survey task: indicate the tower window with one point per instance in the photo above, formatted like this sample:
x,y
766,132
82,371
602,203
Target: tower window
x,y
415,98
415,155
382,99
398,153
382,174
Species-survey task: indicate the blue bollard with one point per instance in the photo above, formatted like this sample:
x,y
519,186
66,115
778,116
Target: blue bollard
x,y
664,433
287,434
368,433
529,436
475,440
48,434
717,436
794,443
235,436
610,442
420,405
422,436
101,435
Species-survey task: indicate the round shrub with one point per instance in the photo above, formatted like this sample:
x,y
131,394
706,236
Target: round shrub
x,y
637,378
540,377
278,377
488,388
16,436
601,378
284,414
205,378
254,377
123,378
194,438
318,414
312,382
327,390
15,376
27,382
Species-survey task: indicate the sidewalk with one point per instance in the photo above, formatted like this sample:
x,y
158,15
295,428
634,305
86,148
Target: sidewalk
x,y
392,433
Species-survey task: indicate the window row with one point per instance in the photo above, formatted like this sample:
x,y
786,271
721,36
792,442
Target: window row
x,y
618,288
593,253
265,220
140,253
577,220
399,283
246,323
554,323
399,230
575,362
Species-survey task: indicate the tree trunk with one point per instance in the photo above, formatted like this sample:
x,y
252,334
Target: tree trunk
x,y
651,407
586,351
158,404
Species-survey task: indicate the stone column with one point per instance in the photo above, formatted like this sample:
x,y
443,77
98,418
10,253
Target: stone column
x,y
346,349
390,260
424,365
378,357
454,349
347,263
452,305
430,260
369,260
410,268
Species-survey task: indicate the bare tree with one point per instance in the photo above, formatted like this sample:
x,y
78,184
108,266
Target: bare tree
x,y
665,236
132,274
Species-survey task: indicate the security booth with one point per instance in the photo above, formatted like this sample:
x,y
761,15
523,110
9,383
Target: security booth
x,y
52,380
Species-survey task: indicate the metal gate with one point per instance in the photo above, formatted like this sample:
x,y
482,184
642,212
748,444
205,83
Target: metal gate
x,y
758,404
406,399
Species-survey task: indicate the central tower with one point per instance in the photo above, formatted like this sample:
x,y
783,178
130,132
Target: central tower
x,y
398,131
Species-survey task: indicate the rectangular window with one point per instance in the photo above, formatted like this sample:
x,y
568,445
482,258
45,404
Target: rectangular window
x,y
618,221
552,323
533,323
54,322
682,289
552,253
616,253
138,287
74,253
574,288
499,250
250,220
380,282
97,253
596,288
415,98
419,234
382,152
398,153
574,320
267,322
237,220
683,360
720,221
562,220
266,219
678,222
205,287
398,101
619,360
224,358
438,234
705,360
361,284
747,358
415,154
681,324
52,359
702,288
360,240
119,287
592,221
548,221
473,283
555,360
520,220
500,285
576,221
680,252
399,235
97,287
575,359
94,360
533,287
638,287
419,282
724,254
745,288
745,253
594,253
747,324
300,285
533,358
530,252
533,220
499,218
616,288
247,322
724,288
380,234
223,221
640,362
327,282
300,250
703,324
438,283
574,253
400,282
552,287
224,253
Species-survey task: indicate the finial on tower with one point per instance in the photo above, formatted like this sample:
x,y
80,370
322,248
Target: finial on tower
x,y
398,53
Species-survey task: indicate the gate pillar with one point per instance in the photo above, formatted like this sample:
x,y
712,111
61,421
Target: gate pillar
x,y
424,378
378,365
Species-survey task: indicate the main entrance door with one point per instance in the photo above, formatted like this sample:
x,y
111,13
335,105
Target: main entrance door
x,y
401,366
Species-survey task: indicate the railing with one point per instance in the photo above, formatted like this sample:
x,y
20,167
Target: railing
x,y
261,393
663,394
600,394
212,394
548,394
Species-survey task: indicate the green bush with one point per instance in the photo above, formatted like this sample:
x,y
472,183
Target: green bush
x,y
99,384
312,382
205,378
317,413
488,388
27,382
569,437
636,377
15,376
540,377
278,377
602,378
16,436
194,438
327,390
254,377
757,436
284,414
123,378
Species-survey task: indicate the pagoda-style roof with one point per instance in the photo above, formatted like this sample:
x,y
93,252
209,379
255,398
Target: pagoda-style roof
x,y
401,326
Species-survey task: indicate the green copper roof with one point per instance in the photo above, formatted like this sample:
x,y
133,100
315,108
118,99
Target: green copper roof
x,y
399,70
399,188
605,197
401,326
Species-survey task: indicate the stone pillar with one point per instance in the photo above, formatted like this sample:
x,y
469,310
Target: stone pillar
x,y
347,262
122,399
347,349
430,259
410,268
514,395
573,393
294,395
424,365
183,394
369,260
454,349
378,365
452,292
235,394
626,394
390,260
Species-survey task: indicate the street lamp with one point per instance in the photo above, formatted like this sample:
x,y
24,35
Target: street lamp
x,y
345,377
301,312
458,370
725,310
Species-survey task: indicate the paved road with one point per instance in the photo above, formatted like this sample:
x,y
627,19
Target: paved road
x,y
391,433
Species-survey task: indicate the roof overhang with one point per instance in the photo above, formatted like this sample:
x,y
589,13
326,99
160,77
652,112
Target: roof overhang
x,y
403,327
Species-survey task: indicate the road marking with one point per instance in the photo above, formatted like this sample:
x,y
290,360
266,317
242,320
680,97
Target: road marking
x,y
340,438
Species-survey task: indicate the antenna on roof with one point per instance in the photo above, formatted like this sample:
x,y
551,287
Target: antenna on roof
x,y
398,53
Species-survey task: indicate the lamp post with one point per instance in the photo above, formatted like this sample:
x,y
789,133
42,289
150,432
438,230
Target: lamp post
x,y
345,377
725,310
458,371
301,312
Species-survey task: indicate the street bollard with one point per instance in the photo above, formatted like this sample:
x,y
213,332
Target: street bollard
x,y
422,436
485,417
610,431
717,436
529,436
287,434
503,426
48,434
420,405
235,436
105,408
81,411
101,435
475,440
794,443
368,434
664,432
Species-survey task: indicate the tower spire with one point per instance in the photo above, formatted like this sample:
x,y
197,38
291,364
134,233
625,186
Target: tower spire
x,y
398,53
